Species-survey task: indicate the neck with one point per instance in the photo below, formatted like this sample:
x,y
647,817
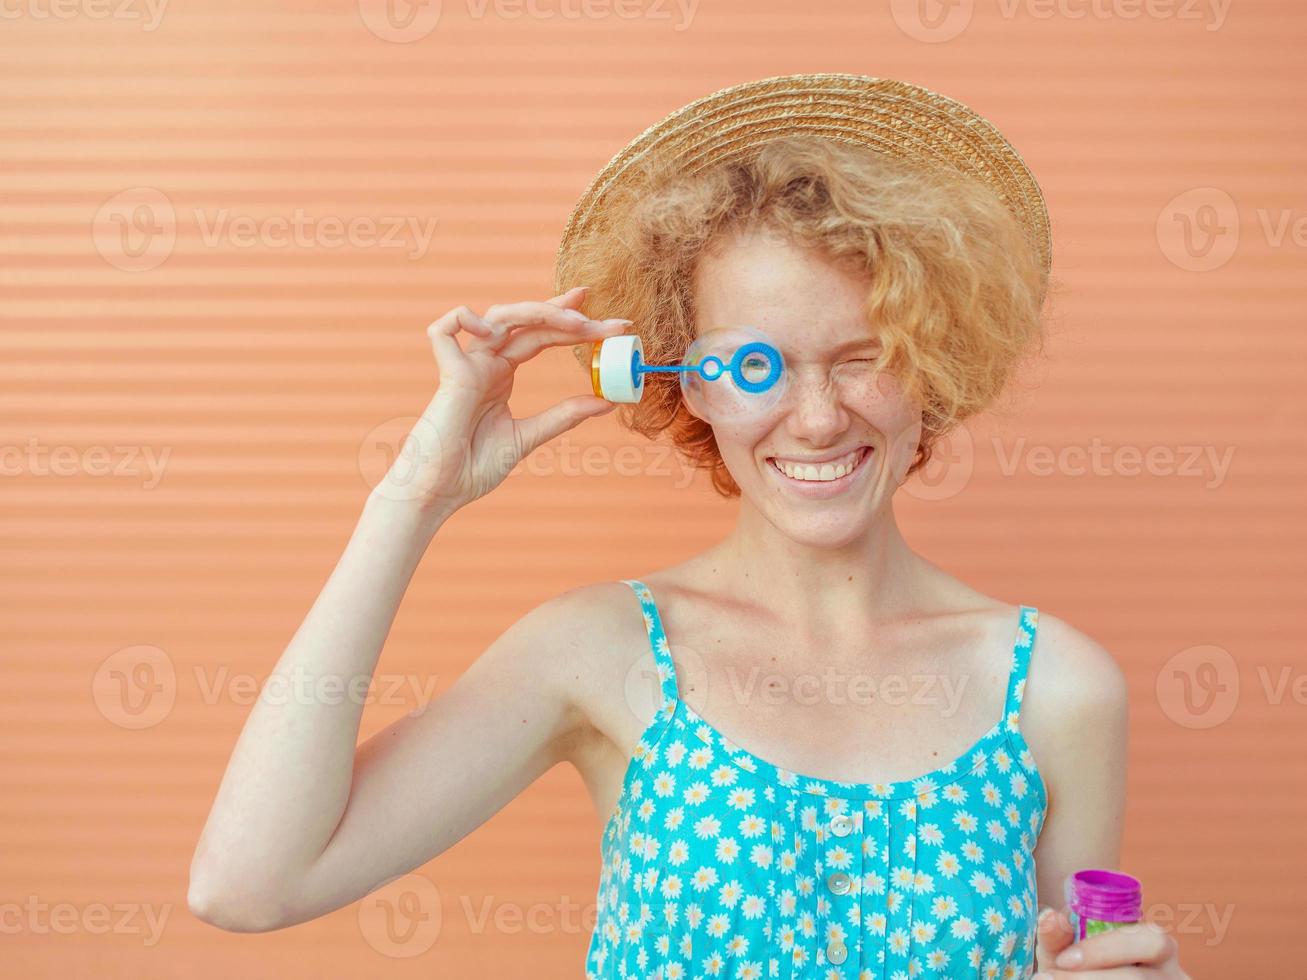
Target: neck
x,y
811,585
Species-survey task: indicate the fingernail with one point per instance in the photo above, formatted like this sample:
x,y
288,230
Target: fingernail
x,y
1045,917
1042,976
617,321
1070,957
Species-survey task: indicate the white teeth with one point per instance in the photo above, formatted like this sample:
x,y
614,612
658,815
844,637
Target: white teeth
x,y
820,473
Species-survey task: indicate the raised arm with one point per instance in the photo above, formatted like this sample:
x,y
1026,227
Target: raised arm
x,y
294,830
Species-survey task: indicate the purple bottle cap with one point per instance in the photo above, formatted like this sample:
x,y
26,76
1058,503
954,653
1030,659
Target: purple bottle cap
x,y
1108,896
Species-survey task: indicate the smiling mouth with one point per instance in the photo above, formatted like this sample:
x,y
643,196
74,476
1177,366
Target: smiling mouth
x,y
825,472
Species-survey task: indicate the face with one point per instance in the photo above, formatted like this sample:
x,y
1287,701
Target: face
x,y
822,465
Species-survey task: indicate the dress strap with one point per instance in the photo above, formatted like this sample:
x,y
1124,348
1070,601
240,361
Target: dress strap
x,y
1027,625
662,650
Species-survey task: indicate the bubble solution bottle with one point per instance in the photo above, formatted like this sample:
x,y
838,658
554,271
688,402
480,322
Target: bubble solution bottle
x,y
1100,900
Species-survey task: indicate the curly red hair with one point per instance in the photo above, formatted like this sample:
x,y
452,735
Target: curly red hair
x,y
956,287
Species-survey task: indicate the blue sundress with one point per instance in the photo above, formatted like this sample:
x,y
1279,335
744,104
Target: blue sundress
x,y
717,863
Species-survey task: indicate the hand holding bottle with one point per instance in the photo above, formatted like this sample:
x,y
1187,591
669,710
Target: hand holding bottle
x,y
1099,933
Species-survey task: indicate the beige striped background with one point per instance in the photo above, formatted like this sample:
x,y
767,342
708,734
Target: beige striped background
x,y
192,405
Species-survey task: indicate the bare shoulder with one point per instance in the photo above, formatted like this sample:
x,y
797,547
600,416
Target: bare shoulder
x,y
1069,668
1075,694
580,643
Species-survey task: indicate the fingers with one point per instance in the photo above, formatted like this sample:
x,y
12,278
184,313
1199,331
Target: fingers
x,y
1123,973
1144,944
535,430
461,318
570,299
504,319
518,331
1053,935
510,316
442,334
526,344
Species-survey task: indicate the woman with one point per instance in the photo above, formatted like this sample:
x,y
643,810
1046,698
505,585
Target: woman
x,y
750,829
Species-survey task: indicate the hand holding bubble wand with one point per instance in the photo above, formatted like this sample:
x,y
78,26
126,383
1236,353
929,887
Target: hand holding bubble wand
x,y
726,374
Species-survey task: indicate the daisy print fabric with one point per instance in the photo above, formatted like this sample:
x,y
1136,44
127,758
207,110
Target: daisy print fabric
x,y
717,863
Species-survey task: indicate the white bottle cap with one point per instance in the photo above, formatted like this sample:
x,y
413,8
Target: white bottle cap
x,y
612,370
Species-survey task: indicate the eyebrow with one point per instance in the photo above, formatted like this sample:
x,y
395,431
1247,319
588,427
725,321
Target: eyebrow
x,y
856,344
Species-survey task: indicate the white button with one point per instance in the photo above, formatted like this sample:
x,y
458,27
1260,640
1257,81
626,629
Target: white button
x,y
839,883
841,825
837,953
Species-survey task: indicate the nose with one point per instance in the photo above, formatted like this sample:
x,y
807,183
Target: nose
x,y
815,413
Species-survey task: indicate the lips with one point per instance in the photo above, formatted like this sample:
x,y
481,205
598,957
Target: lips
x,y
820,471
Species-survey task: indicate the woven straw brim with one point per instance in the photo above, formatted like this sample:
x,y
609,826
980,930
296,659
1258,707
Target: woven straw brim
x,y
893,117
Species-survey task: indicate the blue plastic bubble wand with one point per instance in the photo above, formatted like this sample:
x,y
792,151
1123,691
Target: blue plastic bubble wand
x,y
617,368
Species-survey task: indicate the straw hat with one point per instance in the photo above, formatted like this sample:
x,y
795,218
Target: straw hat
x,y
894,117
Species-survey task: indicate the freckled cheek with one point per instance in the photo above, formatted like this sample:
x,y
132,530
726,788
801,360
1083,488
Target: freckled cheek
x,y
902,450
738,439
880,404
885,406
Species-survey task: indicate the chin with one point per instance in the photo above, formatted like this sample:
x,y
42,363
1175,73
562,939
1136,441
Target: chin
x,y
826,532
819,508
